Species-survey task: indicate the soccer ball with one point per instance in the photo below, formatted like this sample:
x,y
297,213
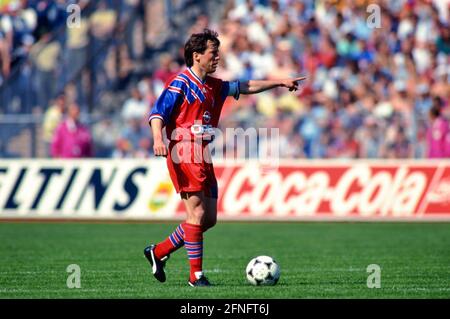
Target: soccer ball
x,y
263,271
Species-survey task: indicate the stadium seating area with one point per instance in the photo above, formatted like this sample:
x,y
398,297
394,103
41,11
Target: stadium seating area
x,y
369,91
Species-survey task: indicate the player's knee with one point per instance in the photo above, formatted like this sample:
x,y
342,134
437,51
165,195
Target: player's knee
x,y
199,213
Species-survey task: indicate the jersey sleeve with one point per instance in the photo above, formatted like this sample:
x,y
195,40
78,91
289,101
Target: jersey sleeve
x,y
171,98
230,89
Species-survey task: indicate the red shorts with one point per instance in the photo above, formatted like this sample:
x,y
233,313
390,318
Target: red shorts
x,y
189,175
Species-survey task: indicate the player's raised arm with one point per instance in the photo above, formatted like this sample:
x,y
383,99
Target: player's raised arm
x,y
257,86
159,148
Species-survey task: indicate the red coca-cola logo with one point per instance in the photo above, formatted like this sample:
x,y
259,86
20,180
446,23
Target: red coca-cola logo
x,y
340,191
357,190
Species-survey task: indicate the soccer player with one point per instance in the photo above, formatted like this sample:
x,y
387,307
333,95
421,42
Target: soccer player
x,y
189,108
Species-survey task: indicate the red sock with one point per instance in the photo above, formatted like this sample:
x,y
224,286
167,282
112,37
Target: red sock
x,y
171,243
194,247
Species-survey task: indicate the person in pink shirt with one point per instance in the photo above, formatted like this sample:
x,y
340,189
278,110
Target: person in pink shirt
x,y
72,139
437,134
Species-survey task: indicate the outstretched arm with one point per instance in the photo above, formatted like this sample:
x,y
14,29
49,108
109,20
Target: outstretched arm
x,y
257,86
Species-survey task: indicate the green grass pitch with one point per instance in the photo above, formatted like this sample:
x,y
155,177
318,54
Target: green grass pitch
x,y
317,260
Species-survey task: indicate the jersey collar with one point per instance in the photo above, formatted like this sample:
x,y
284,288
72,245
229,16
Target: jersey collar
x,y
195,75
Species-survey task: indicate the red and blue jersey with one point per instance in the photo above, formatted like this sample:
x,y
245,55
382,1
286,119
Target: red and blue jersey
x,y
188,104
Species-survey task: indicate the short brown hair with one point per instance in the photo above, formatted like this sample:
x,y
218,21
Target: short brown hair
x,y
198,43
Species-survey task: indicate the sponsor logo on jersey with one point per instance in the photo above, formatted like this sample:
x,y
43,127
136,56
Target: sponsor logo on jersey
x,y
207,117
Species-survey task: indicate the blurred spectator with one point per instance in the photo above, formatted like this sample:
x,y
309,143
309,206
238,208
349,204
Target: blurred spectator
x,y
438,134
5,58
123,149
443,40
52,118
133,137
75,54
102,22
45,56
145,88
144,149
369,139
105,133
398,145
135,106
72,139
167,68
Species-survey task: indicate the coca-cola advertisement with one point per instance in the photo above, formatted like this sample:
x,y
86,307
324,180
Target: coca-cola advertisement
x,y
359,190
334,190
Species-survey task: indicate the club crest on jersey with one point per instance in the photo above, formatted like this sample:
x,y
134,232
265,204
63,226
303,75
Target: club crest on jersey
x,y
206,117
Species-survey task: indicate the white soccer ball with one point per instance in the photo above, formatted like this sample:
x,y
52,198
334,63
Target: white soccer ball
x,y
263,271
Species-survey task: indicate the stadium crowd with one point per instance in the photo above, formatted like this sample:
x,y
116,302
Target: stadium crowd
x,y
375,89
370,89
